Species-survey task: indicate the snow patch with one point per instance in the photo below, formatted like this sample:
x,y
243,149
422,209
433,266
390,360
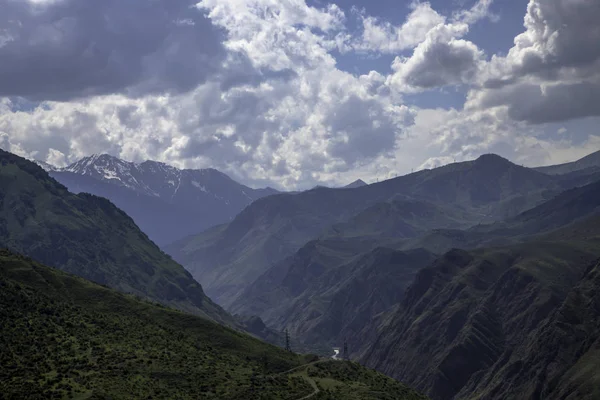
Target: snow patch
x,y
199,186
108,174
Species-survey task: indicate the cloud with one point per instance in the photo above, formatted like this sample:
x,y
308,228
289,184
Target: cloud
x,y
67,49
382,36
56,158
540,103
252,87
552,73
440,60
441,57
277,110
479,11
452,135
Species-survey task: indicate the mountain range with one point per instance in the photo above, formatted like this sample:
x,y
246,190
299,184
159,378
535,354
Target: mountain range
x,y
227,258
332,265
473,280
325,278
496,323
166,202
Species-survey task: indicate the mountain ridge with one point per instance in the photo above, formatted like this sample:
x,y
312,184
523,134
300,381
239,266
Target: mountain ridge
x,y
470,315
193,199
590,161
89,236
227,257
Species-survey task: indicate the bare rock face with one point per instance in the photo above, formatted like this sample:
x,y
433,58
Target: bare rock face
x,y
473,323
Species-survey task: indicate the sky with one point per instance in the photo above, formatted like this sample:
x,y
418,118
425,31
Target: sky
x,y
294,93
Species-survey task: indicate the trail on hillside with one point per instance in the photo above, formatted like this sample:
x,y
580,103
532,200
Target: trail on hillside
x,y
307,378
314,386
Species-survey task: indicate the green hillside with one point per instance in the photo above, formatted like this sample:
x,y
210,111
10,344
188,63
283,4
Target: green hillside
x,y
65,337
90,237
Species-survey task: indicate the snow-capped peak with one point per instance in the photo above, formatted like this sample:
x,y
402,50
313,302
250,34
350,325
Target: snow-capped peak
x,y
158,179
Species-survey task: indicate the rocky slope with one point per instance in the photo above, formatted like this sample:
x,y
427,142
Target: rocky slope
x,y
323,302
468,321
567,208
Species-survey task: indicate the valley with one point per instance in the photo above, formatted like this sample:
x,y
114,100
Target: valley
x,y
434,279
299,200
87,341
354,277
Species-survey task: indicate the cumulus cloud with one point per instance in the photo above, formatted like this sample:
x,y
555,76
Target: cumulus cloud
x,y
442,57
277,109
384,37
66,49
453,135
552,72
440,60
252,87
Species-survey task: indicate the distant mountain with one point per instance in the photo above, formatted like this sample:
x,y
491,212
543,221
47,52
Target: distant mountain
x,y
513,322
64,337
357,183
344,253
167,203
90,237
300,291
545,220
589,162
400,218
228,258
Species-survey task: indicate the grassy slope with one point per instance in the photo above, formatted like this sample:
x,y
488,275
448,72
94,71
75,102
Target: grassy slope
x,y
90,237
63,336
